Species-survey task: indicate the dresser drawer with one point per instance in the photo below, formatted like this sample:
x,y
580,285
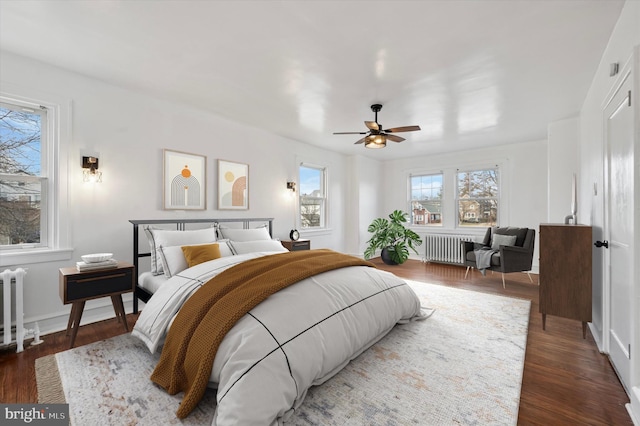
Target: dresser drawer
x,y
297,245
92,285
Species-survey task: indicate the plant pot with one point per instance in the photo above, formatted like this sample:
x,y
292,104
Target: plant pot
x,y
386,258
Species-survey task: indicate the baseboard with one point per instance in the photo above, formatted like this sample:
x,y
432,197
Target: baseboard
x,y
597,336
94,311
633,407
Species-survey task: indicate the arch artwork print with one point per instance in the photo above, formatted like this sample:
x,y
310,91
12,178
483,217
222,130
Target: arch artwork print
x,y
233,185
185,189
184,181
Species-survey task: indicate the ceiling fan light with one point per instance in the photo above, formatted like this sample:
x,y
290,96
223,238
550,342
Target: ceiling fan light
x,y
375,142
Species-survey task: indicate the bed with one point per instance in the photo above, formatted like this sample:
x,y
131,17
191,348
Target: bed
x,y
296,336
147,280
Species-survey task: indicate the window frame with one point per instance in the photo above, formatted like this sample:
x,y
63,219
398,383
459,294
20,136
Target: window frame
x,y
450,193
41,179
324,199
54,165
442,198
497,198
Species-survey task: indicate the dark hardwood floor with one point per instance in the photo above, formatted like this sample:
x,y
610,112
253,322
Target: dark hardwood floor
x,y
566,380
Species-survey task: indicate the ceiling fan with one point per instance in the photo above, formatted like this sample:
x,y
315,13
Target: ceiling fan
x,y
376,137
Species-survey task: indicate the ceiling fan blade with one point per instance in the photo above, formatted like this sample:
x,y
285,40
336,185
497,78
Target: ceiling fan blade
x,y
360,141
349,133
372,125
402,129
394,138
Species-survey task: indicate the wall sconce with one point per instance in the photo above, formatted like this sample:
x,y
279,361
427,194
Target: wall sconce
x,y
90,171
291,186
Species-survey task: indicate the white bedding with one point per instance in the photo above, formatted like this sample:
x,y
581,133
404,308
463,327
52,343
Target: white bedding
x,y
296,338
151,282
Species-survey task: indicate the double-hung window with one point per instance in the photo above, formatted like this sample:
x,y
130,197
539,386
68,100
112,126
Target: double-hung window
x,y
477,197
24,182
313,196
426,199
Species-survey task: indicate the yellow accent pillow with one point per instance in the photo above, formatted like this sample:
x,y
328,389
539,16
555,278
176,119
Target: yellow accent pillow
x,y
196,255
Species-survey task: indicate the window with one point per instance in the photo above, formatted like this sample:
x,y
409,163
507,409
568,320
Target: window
x,y
34,208
23,176
313,197
426,199
456,198
477,197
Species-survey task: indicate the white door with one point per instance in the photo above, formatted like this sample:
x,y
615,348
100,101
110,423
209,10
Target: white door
x,y
618,133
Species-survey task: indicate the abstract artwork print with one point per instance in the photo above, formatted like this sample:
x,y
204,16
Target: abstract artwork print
x,y
233,185
184,181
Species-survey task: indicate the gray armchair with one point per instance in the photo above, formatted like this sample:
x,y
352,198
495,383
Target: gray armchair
x,y
514,257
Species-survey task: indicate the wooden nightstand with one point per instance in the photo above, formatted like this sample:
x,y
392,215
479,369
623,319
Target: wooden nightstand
x,y
297,245
78,287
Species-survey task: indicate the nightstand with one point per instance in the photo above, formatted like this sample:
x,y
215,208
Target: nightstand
x,y
78,287
297,245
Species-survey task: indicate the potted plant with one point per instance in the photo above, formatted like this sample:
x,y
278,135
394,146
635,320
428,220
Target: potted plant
x,y
393,238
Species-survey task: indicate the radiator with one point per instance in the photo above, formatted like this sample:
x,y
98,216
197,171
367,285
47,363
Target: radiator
x,y
16,277
445,248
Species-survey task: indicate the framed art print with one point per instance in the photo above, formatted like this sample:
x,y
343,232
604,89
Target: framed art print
x,y
185,181
233,185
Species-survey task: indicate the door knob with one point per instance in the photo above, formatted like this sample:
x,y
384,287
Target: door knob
x,y
604,244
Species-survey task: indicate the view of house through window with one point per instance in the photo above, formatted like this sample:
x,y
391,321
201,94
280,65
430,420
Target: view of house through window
x,y
22,183
477,197
426,199
312,196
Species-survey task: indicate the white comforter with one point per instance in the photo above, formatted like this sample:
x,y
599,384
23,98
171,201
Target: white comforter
x,y
298,337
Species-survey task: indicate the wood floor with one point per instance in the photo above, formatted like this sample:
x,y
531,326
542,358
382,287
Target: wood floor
x,y
566,380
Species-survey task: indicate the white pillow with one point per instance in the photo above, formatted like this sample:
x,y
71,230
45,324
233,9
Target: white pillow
x,y
165,238
242,235
225,250
244,247
155,264
174,262
502,240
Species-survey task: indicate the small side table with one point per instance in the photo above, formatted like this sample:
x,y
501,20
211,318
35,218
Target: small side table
x,y
296,245
78,287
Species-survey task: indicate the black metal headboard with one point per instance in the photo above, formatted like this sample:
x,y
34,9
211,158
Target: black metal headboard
x,y
181,225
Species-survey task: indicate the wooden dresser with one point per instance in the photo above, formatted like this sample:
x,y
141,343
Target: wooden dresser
x,y
565,272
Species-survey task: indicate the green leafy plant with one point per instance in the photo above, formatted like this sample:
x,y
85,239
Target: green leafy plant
x,y
392,235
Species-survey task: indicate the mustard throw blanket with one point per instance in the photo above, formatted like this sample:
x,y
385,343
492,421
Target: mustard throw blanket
x,y
205,318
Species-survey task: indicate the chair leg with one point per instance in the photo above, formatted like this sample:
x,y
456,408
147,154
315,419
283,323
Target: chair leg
x,y
529,275
503,285
465,274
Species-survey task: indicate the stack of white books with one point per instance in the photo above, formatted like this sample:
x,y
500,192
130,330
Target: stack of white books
x,y
92,266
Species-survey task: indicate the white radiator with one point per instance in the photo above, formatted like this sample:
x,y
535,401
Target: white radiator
x,y
16,277
445,248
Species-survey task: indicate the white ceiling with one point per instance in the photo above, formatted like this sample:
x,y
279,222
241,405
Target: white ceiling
x,y
470,73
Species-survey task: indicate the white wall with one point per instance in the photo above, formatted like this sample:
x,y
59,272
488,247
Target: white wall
x,y
128,132
523,169
625,36
364,204
562,157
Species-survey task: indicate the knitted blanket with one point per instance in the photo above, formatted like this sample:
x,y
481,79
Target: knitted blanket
x,y
205,318
483,258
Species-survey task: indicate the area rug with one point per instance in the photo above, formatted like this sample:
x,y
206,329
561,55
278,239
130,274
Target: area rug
x,y
463,366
